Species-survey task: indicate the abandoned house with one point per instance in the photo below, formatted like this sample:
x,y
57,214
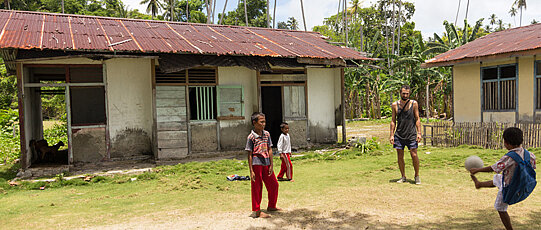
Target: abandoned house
x,y
497,78
170,90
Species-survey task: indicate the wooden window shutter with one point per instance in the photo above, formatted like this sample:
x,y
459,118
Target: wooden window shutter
x,y
230,101
294,102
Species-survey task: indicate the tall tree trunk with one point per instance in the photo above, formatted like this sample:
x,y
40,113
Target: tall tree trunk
x,y
274,16
467,8
246,12
223,12
338,16
457,10
208,10
303,19
345,21
172,4
62,6
187,10
268,17
399,25
213,10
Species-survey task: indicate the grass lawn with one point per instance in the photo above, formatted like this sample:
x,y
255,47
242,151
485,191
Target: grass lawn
x,y
347,190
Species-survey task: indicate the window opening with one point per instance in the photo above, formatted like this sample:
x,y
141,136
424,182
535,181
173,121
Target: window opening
x,y
499,87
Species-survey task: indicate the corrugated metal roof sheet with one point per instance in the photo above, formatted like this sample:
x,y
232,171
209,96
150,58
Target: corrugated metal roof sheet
x,y
38,30
526,38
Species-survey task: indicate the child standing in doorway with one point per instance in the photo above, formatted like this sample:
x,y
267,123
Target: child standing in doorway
x,y
284,149
258,146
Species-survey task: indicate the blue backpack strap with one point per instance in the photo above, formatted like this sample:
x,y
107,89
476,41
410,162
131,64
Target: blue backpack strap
x,y
517,158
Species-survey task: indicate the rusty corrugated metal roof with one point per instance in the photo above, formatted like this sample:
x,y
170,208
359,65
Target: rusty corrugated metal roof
x,y
38,30
510,41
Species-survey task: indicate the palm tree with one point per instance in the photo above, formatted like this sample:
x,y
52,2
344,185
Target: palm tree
x,y
513,13
520,4
153,7
500,25
493,19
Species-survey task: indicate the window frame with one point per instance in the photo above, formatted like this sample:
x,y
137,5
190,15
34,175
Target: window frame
x,y
537,89
198,85
499,81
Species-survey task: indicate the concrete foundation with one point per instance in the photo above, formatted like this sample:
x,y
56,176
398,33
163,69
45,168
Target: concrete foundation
x,y
89,145
204,137
131,142
233,134
297,133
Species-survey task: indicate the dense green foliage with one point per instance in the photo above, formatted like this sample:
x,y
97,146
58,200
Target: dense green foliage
x,y
256,12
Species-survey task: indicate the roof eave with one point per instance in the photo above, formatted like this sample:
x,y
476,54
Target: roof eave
x,y
482,58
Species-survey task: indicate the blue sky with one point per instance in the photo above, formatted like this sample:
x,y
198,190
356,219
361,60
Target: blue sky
x,y
429,14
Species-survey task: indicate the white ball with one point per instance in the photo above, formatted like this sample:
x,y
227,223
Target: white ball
x,y
473,162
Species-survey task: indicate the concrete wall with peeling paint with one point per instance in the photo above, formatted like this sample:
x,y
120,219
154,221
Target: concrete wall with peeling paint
x,y
321,104
129,96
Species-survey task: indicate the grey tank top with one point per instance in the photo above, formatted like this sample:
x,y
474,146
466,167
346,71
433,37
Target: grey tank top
x,y
405,123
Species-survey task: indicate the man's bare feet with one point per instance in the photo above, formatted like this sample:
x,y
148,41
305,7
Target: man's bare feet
x,y
292,180
274,209
261,214
475,181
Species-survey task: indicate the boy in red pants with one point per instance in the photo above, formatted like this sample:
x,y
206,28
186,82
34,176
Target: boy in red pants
x,y
284,149
258,146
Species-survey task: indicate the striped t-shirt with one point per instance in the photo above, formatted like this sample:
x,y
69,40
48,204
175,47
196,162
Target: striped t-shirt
x,y
259,146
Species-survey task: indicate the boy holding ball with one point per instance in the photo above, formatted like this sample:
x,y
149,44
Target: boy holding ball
x,y
506,165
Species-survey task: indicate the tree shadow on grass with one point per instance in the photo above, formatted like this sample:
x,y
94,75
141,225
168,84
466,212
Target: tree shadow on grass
x,y
310,219
481,219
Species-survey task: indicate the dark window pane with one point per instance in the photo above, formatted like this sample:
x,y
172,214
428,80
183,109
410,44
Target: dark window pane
x,y
490,95
47,75
508,92
202,102
508,71
538,64
87,105
490,73
86,74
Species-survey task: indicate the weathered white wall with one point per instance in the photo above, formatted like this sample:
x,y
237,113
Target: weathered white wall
x,y
129,95
233,132
321,103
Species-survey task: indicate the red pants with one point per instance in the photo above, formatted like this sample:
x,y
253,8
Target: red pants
x,y
262,175
287,167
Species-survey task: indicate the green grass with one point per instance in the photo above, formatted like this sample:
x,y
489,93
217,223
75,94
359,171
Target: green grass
x,y
346,181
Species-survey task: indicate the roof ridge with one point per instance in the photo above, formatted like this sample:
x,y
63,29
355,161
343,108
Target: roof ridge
x,y
146,20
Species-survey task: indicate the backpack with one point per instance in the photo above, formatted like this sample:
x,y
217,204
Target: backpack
x,y
523,181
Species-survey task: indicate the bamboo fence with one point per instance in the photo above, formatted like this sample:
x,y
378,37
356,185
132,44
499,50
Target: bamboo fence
x,y
487,134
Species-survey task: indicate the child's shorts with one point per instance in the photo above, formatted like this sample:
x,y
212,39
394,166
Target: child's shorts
x,y
498,204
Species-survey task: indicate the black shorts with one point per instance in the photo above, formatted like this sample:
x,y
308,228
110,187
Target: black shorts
x,y
401,143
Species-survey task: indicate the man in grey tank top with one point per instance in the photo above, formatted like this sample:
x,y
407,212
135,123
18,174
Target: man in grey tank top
x,y
406,131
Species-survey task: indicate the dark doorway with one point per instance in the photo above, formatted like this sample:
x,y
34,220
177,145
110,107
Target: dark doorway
x,y
271,98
